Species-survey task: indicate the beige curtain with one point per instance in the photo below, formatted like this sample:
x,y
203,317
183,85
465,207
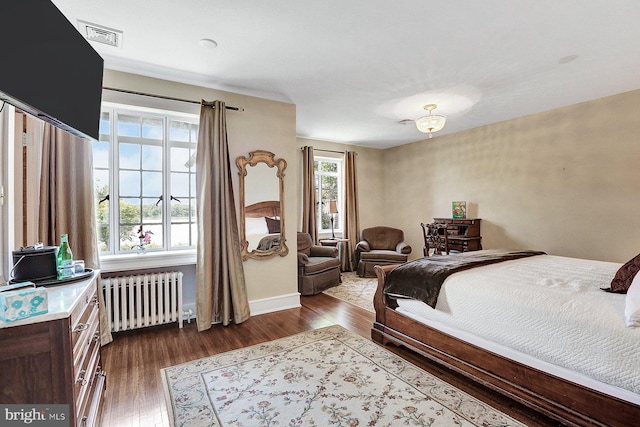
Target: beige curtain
x,y
351,212
67,202
221,293
309,213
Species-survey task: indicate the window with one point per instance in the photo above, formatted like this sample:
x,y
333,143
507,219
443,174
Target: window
x,y
328,176
6,143
144,177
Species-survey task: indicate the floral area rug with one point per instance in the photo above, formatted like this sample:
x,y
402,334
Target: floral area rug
x,y
324,377
355,290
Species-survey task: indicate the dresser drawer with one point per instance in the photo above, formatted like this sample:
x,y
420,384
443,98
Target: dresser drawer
x,y
463,221
85,378
89,418
82,318
85,337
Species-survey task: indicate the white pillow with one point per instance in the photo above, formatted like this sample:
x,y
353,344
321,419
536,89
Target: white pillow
x,y
632,305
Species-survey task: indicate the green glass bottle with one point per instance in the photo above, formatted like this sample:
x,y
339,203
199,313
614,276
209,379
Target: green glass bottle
x,y
64,259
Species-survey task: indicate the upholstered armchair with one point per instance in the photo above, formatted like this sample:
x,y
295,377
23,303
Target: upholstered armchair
x,y
318,266
380,246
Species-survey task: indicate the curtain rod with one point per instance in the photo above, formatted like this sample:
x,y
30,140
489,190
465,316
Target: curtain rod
x,y
166,97
328,151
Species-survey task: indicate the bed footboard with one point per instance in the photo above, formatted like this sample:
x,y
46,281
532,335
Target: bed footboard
x,y
558,398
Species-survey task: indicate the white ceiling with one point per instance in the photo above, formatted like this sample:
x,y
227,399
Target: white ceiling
x,y
356,68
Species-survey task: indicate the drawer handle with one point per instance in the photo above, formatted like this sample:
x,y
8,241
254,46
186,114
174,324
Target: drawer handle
x,y
81,379
94,299
81,327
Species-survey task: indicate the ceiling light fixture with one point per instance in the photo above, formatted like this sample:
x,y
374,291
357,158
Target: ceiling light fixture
x,y
208,43
567,59
432,122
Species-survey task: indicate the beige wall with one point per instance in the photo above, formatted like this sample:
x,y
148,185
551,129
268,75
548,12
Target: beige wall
x,y
370,179
565,181
266,125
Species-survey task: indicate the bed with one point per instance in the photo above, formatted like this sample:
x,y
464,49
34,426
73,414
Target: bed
x,y
262,222
519,327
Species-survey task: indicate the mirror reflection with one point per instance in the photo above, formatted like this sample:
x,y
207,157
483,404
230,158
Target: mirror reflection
x,y
261,198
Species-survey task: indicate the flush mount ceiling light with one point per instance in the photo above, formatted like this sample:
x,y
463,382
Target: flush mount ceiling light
x,y
567,59
208,43
432,122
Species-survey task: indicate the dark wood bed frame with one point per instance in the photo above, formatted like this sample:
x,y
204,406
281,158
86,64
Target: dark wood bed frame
x,y
270,208
551,395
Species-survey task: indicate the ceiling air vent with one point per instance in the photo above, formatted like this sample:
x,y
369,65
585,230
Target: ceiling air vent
x,y
100,34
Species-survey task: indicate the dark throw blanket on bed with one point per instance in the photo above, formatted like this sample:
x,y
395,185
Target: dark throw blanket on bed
x,y
422,278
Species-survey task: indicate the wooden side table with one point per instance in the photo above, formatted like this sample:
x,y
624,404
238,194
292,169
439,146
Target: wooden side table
x,y
343,251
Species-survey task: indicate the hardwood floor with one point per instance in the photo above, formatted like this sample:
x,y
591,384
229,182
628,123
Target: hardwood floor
x,y
134,395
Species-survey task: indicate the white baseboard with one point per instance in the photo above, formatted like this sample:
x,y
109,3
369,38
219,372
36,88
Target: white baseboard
x,y
269,305
260,306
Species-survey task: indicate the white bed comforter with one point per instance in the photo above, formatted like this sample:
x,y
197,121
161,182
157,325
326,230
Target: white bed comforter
x,y
543,308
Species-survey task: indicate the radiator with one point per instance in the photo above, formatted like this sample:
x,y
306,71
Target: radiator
x,y
143,300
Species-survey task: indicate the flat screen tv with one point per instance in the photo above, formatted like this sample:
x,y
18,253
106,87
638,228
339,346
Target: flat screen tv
x,y
48,69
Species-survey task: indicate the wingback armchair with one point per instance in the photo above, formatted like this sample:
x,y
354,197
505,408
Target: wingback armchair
x,y
380,246
318,266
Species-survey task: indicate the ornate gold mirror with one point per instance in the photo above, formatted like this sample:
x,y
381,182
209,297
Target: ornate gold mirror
x,y
262,205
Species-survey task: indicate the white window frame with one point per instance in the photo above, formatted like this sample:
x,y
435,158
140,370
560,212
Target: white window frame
x,y
339,174
7,123
118,260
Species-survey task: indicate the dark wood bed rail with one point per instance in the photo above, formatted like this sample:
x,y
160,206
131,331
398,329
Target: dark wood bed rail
x,y
269,208
556,397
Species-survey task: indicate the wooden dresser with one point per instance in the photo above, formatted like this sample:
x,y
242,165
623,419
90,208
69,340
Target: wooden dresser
x,y
54,358
463,233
